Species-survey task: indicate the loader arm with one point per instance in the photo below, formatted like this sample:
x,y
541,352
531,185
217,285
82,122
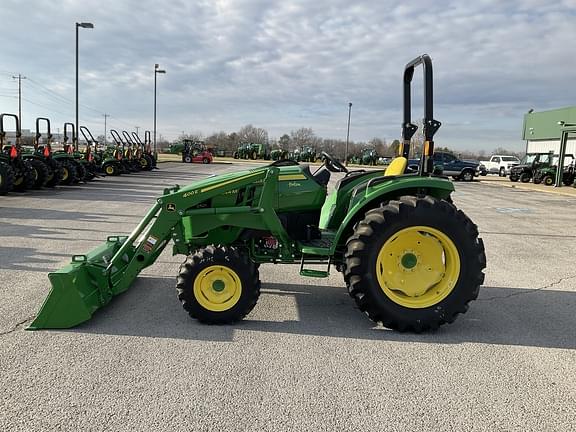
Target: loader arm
x,y
90,281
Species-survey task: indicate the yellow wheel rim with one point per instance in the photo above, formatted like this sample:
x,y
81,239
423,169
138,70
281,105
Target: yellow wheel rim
x,y
217,288
418,267
143,163
110,169
65,174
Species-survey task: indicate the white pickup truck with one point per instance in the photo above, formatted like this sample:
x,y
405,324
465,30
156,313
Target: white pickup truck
x,y
498,164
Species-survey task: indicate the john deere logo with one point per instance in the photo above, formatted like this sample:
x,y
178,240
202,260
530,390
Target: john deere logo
x,y
170,207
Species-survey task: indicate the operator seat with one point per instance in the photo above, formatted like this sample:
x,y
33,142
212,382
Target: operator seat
x,y
396,167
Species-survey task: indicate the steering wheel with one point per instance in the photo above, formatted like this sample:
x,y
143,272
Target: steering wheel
x,y
333,164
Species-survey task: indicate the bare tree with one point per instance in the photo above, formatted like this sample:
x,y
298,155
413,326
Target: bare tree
x,y
305,137
253,134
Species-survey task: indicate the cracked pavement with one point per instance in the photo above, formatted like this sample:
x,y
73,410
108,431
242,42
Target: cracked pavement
x,y
305,359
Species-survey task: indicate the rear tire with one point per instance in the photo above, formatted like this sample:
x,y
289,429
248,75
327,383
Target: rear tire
x,y
81,172
467,176
218,285
55,172
41,173
24,177
414,226
6,178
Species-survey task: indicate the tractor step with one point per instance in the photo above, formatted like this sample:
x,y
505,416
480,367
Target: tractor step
x,y
314,273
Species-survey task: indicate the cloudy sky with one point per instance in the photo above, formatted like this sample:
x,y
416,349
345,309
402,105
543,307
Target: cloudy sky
x,y
282,65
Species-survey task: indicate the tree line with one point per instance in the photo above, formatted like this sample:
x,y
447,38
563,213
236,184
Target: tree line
x,y
305,137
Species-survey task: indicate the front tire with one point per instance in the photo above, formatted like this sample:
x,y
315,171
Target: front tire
x,y
414,264
217,285
548,180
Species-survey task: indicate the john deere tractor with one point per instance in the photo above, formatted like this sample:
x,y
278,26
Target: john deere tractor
x,y
16,173
410,259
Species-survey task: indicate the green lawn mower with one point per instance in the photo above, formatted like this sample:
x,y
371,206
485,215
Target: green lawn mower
x,y
17,173
410,259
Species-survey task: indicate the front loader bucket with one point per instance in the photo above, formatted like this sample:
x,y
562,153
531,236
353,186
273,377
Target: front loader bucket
x,y
79,289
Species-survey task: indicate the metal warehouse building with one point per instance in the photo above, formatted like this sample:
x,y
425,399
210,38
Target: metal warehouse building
x,y
542,130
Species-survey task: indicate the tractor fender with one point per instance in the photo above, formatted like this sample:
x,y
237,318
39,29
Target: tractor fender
x,y
370,197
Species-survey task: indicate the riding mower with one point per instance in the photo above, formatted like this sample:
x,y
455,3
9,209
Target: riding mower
x,y
104,160
17,173
409,257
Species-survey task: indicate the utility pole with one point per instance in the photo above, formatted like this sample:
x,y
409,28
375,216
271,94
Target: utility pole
x,y
105,117
19,78
348,133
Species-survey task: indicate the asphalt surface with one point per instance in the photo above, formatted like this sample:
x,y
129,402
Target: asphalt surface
x,y
305,359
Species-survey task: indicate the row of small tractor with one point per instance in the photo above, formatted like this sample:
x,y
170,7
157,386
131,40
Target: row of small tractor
x,y
26,167
262,151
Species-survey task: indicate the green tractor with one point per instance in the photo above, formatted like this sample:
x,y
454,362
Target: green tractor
x,y
369,157
108,160
278,154
16,173
252,151
143,154
306,154
410,259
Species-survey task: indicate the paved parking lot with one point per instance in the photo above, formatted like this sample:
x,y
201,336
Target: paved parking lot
x,y
305,359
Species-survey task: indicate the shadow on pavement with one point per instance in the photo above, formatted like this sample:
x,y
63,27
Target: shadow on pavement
x,y
502,316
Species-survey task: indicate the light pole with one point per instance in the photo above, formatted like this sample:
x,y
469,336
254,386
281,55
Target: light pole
x,y
78,25
347,134
156,72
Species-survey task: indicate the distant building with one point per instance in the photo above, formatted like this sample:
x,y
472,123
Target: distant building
x,y
542,131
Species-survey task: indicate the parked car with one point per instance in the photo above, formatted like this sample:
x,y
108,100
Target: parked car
x,y
498,164
448,164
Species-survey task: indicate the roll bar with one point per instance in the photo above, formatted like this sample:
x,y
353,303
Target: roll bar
x,y
74,140
39,134
430,126
3,132
117,138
